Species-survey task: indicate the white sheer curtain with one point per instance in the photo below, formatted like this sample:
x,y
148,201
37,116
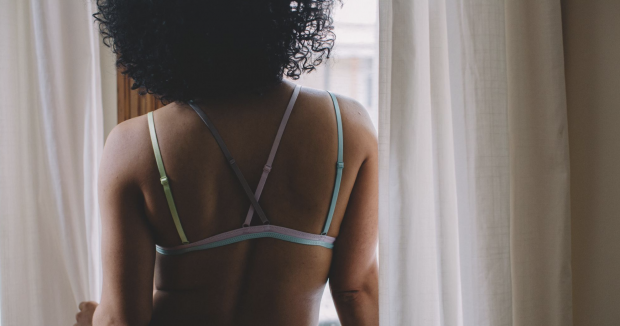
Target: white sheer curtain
x,y
51,138
474,172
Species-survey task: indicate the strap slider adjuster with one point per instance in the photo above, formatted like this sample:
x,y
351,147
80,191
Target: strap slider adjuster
x,y
232,161
267,168
340,165
164,181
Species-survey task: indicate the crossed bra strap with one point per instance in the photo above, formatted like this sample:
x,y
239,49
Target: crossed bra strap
x,y
231,161
272,154
254,197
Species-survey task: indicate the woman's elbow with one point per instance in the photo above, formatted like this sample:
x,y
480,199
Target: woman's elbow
x,y
353,296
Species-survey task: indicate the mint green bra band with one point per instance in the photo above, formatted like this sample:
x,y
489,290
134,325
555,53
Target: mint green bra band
x,y
273,235
252,232
249,232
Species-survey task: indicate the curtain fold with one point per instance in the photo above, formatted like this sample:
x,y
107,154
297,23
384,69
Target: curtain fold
x,y
540,200
51,139
474,207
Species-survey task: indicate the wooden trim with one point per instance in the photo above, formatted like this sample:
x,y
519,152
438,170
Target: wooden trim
x,y
130,103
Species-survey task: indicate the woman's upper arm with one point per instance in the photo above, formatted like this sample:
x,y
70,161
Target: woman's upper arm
x,y
128,248
353,274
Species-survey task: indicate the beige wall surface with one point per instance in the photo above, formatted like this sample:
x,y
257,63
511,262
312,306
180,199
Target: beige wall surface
x,y
592,57
108,88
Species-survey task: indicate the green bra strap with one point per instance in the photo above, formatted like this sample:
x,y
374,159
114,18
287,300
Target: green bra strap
x,y
164,180
339,167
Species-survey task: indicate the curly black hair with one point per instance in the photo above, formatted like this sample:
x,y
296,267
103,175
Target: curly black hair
x,y
180,50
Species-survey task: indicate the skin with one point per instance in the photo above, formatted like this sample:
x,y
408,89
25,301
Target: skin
x,y
256,282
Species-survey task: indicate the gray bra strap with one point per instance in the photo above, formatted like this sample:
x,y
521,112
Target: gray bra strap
x,y
231,161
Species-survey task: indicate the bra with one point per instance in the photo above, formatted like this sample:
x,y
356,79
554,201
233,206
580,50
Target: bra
x,y
247,231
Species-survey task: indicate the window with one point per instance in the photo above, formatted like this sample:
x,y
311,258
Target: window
x,y
352,71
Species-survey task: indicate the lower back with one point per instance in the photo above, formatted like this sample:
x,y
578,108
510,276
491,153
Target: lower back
x,y
256,282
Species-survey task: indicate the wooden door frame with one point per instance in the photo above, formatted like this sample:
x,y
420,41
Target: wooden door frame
x,y
130,103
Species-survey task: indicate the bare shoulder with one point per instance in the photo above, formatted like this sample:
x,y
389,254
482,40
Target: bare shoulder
x,y
359,131
127,153
357,118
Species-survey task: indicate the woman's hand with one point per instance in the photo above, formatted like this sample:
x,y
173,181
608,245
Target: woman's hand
x,y
85,316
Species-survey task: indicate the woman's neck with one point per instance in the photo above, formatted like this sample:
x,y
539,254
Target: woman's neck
x,y
266,95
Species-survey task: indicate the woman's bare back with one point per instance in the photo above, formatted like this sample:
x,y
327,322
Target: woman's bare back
x,y
262,281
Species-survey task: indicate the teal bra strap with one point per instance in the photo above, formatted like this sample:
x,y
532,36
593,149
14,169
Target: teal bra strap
x,y
164,180
339,167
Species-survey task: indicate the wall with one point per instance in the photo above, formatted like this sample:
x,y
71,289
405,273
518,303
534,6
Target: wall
x,y
108,88
592,53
